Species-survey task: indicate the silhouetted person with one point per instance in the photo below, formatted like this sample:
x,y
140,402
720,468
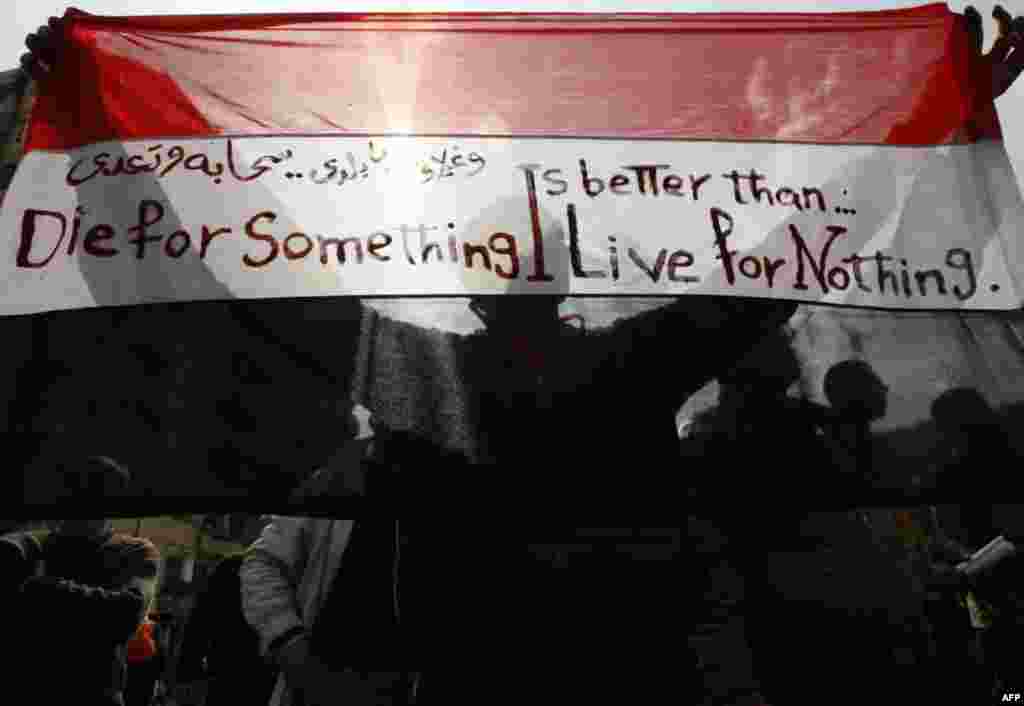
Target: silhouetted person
x,y
752,394
978,466
220,649
755,423
557,411
858,397
821,600
86,594
973,439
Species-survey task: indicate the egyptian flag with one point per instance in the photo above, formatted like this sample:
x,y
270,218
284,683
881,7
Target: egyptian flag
x,y
850,159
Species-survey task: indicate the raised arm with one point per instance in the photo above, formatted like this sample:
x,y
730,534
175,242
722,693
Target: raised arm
x,y
399,366
694,339
270,577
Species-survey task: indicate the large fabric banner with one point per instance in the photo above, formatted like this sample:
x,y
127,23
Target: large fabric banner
x,y
844,159
237,247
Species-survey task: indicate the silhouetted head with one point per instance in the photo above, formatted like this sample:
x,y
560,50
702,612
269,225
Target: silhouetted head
x,y
91,481
534,315
855,390
521,300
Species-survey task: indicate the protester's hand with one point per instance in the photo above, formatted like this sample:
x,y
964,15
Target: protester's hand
x,y
42,49
191,693
1006,59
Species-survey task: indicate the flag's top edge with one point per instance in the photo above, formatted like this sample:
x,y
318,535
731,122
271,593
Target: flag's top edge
x,y
737,21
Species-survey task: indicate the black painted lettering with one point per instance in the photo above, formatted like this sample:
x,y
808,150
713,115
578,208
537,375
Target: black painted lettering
x,y
818,267
839,278
787,197
905,278
73,180
177,154
575,255
405,230
339,252
136,165
653,272
722,224
100,231
140,240
28,233
617,182
858,274
199,162
770,268
884,275
696,183
561,184
76,226
757,190
589,181
966,264
183,240
671,184
922,277
427,247
734,177
678,260
816,193
208,237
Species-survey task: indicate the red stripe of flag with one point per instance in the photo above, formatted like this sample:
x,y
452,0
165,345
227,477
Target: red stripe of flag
x,y
896,77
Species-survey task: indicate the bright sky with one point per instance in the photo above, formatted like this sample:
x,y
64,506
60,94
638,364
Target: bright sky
x,y
24,17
